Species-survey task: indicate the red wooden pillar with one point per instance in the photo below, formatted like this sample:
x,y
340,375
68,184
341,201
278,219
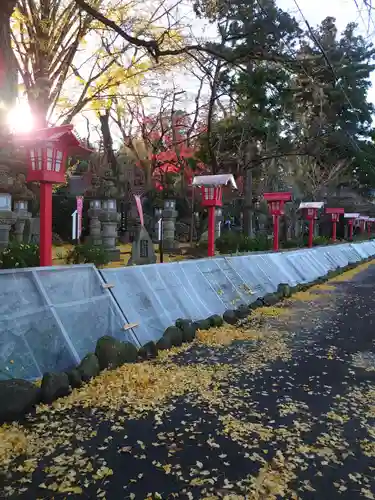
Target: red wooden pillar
x,y
211,231
45,244
311,232
276,230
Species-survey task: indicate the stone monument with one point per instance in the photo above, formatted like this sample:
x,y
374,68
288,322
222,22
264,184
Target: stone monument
x,y
142,249
110,218
169,222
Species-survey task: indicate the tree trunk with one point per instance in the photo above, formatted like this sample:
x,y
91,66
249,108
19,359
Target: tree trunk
x,y
108,142
248,203
8,65
248,209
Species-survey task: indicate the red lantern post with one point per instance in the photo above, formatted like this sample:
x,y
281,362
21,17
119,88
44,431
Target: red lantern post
x,y
369,225
310,210
363,220
48,151
335,217
351,217
276,202
211,187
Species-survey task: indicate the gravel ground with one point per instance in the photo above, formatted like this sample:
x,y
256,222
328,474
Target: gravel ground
x,y
285,411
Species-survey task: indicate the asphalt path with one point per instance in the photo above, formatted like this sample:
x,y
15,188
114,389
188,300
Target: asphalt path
x,y
285,411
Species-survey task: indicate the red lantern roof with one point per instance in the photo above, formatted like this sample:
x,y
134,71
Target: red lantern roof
x,y
281,196
48,150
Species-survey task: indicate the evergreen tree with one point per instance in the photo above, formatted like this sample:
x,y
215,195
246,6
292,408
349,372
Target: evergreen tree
x,y
258,37
331,112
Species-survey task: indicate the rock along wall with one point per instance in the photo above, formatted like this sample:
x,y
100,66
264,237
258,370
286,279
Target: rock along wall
x,y
50,318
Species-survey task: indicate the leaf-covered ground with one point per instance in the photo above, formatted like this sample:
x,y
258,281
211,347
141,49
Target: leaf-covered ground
x,y
286,410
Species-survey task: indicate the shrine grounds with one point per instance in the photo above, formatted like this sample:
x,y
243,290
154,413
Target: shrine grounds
x,y
280,407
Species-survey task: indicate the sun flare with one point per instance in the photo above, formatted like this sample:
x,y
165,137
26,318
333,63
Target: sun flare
x,y
20,119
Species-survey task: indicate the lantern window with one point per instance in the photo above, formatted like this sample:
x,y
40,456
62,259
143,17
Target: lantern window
x,y
58,160
36,158
50,151
209,193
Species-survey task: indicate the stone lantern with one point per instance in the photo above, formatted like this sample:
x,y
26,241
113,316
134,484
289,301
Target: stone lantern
x,y
218,221
169,223
7,218
95,225
110,218
20,210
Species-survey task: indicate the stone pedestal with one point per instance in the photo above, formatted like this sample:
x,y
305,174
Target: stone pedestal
x,y
19,228
95,225
7,218
110,218
169,223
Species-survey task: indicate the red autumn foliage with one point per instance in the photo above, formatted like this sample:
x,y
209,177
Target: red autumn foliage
x,y
172,151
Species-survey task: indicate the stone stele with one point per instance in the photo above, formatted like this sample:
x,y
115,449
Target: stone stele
x,y
142,249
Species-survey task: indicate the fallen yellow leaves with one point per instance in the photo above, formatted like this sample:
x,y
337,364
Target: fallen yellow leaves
x,y
14,442
306,296
139,388
272,311
348,275
240,431
226,334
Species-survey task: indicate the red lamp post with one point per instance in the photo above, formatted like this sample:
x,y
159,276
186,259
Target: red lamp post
x,y
351,217
335,217
360,222
276,202
310,210
212,197
369,225
48,151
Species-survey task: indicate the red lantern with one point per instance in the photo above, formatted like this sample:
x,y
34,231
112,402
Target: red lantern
x,y
276,202
351,217
48,151
310,210
212,196
312,214
335,217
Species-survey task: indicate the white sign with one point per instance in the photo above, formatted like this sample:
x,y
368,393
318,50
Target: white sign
x,y
160,227
79,212
74,225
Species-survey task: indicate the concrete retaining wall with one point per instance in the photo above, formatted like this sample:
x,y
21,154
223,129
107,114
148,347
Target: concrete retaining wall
x,y
51,317
156,295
